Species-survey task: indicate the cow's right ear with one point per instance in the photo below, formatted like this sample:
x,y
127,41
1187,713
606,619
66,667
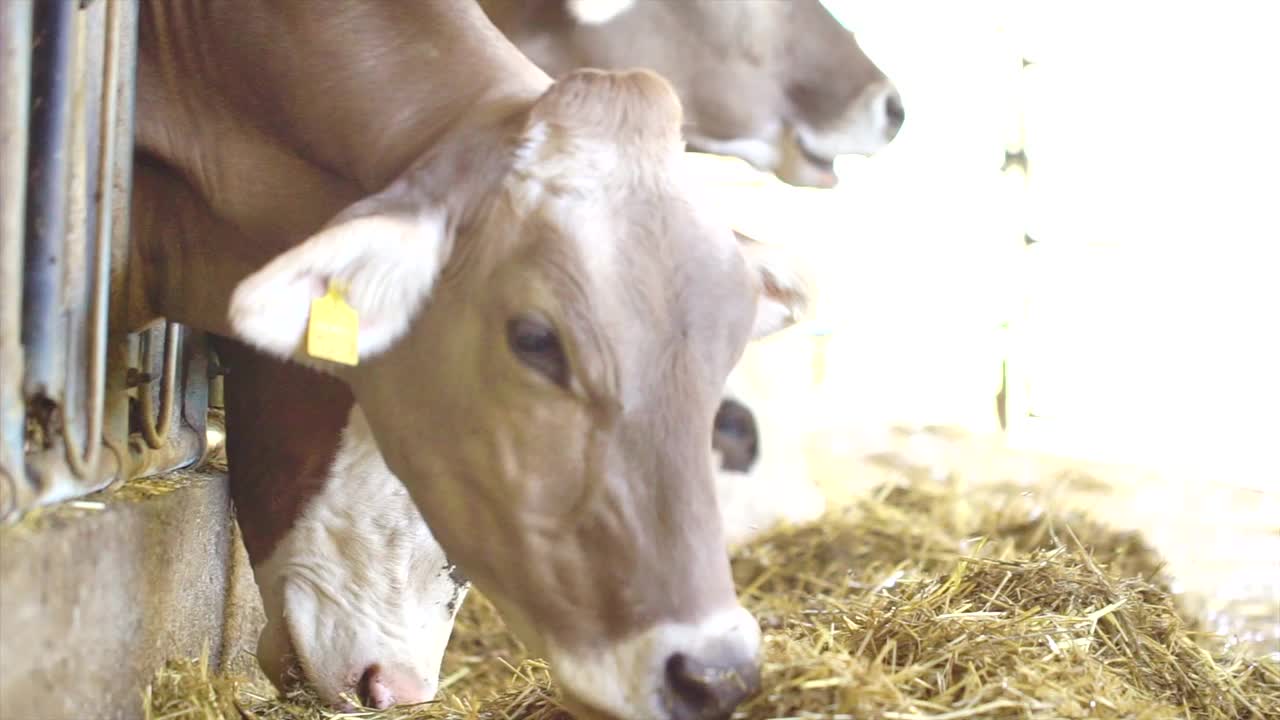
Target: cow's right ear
x,y
384,259
597,12
785,286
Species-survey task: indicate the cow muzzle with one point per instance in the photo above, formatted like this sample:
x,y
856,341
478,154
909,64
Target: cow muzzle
x,y
873,120
672,671
700,690
384,686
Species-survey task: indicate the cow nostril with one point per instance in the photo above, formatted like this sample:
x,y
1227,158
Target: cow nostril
x,y
372,689
700,692
894,111
684,683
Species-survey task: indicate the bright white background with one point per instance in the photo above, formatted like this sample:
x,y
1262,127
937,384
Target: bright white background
x,y
1144,327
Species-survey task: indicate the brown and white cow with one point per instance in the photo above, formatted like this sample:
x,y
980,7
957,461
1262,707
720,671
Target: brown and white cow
x,y
780,84
546,315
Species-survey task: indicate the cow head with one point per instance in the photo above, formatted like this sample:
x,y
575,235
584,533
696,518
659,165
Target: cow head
x,y
359,597
781,85
545,327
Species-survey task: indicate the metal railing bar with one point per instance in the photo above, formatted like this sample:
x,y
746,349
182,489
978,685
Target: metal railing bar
x,y
15,77
154,427
83,461
46,195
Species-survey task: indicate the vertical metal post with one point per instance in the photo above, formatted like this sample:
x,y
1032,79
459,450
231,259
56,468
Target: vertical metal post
x,y
68,123
42,322
77,117
1011,401
118,186
15,78
82,455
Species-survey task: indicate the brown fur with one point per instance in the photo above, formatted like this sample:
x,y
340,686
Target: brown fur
x,y
283,427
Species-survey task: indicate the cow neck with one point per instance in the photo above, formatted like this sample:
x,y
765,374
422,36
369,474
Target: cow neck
x,y
281,465
437,69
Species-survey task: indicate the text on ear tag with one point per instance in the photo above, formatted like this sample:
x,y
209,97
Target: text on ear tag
x,y
332,328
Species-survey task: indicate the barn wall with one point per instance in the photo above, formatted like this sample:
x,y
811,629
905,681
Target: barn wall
x,y
96,595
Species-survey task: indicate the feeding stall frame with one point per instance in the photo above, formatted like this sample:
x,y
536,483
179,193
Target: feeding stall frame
x,y
84,405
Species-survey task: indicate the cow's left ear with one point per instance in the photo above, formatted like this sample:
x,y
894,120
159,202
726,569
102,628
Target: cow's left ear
x,y
597,12
784,286
381,257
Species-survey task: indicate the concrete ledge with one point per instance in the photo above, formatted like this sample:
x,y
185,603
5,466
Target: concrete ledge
x,y
96,595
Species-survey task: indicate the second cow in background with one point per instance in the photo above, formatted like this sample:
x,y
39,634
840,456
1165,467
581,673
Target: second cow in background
x,y
782,85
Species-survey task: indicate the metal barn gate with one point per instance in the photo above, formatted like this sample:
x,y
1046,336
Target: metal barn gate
x,y
84,405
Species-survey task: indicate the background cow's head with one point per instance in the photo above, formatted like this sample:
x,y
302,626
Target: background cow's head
x,y
548,405
359,597
781,85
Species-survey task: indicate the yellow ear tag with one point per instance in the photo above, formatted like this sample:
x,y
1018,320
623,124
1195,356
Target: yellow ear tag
x,y
333,326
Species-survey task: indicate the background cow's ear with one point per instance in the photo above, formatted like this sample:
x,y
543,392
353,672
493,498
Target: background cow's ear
x,y
385,258
784,286
597,12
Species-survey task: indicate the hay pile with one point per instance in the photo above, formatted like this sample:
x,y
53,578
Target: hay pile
x,y
925,600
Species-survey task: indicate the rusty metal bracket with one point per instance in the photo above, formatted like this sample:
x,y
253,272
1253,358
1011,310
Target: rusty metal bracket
x,y
154,427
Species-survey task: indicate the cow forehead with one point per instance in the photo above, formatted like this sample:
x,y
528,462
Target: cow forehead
x,y
653,252
753,23
649,284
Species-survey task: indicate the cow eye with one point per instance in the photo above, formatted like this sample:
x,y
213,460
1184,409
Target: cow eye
x,y
733,419
730,425
536,344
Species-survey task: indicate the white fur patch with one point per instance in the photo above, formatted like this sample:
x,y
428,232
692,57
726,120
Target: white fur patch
x,y
549,161
763,154
388,262
755,502
784,295
627,679
360,579
777,489
597,12
862,130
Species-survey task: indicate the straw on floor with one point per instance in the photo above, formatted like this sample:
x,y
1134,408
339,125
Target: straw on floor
x,y
923,600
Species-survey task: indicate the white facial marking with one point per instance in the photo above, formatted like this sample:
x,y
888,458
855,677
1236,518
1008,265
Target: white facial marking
x,y
763,154
754,502
598,12
547,160
585,211
360,580
628,678
865,127
784,294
